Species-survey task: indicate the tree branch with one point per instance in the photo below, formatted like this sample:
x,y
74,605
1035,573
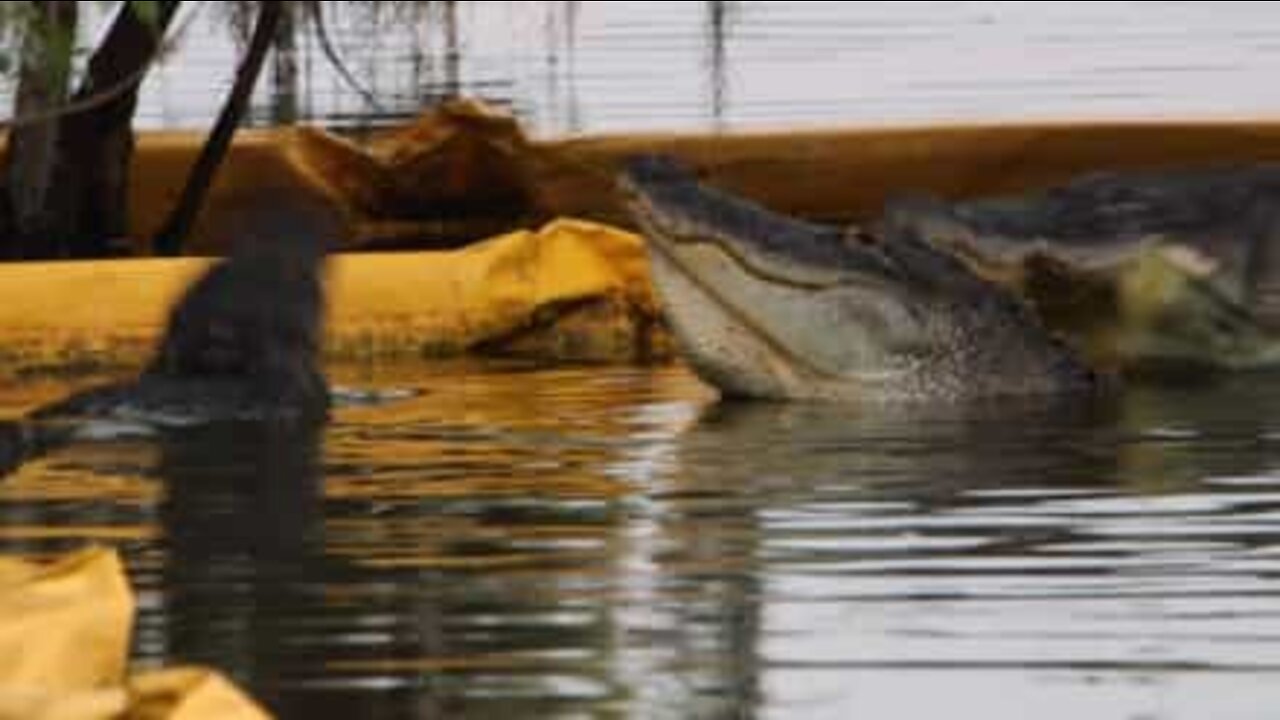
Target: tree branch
x,y
169,240
98,98
335,59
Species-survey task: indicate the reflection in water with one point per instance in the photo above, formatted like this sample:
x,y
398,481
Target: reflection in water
x,y
605,541
1077,552
14,446
243,563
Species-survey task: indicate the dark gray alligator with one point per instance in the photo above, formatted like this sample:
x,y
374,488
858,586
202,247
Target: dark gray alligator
x,y
1135,273
771,307
1177,268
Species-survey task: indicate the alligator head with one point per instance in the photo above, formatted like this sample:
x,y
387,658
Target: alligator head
x,y
770,307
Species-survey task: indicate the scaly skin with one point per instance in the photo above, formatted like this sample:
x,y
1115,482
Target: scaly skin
x,y
1174,269
769,307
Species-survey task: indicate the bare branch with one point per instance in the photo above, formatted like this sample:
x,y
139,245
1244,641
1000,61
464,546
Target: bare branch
x,y
106,95
331,54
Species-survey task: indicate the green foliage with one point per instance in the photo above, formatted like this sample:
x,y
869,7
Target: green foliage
x,y
28,39
148,11
31,41
48,48
59,49
12,21
11,14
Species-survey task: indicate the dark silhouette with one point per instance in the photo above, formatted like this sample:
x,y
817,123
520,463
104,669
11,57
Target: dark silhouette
x,y
242,344
242,520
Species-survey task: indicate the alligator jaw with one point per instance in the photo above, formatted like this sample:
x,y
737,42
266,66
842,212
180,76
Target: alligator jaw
x,y
770,307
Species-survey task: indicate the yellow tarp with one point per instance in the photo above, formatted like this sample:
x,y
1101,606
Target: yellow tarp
x,y
570,290
457,173
463,171
64,636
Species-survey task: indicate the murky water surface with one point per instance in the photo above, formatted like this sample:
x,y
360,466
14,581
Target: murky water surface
x,y
612,542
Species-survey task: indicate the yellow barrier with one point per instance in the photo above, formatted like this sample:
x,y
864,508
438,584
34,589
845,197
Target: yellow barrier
x,y
573,290
64,637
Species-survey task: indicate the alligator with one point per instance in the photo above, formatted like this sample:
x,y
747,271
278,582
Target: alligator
x,y
1162,273
767,306
241,344
1143,272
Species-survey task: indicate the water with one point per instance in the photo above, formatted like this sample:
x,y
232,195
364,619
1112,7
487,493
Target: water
x,y
613,542
566,67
